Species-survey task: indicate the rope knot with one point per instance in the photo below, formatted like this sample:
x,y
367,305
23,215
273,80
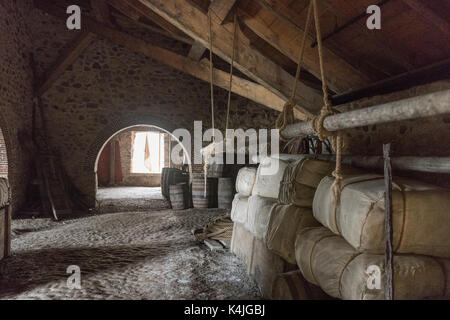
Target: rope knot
x,y
286,117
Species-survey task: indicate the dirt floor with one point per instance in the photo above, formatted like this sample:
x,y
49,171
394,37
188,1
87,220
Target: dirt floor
x,y
125,199
133,255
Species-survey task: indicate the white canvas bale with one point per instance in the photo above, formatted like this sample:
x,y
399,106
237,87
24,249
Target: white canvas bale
x,y
284,224
268,177
421,216
239,209
327,260
245,181
242,242
259,209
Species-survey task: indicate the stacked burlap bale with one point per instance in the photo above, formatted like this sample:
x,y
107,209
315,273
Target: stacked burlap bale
x,y
293,286
259,211
420,214
242,242
296,194
242,239
327,260
265,266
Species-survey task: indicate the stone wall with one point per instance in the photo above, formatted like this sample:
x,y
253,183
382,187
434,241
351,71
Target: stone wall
x,y
16,92
110,88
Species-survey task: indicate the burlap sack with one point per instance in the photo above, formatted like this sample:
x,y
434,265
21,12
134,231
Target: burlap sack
x,y
421,216
239,209
268,177
242,243
327,260
302,177
265,266
259,209
284,224
245,181
293,286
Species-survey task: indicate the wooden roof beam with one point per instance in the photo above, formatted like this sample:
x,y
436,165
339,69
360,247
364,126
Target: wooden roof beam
x,y
68,56
221,8
428,14
252,63
200,70
341,76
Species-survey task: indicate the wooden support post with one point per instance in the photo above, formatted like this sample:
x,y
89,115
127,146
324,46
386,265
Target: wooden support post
x,y
388,228
428,105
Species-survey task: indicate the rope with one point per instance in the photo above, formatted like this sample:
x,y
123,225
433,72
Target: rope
x,y
211,70
221,228
231,72
287,115
327,110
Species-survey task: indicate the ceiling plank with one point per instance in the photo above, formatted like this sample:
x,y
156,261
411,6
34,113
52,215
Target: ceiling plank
x,y
341,76
68,56
249,61
197,51
200,70
221,8
146,12
127,23
423,10
125,8
101,10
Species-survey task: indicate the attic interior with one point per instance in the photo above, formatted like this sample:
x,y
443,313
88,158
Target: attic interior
x,y
106,193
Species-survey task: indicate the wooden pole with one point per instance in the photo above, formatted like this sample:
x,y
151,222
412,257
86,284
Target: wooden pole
x,y
388,228
432,104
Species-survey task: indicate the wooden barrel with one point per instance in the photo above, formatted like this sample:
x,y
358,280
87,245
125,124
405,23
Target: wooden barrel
x,y
225,193
172,176
177,192
212,189
163,182
199,200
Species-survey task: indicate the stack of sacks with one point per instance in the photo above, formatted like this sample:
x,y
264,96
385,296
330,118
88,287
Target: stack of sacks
x,y
420,214
242,239
294,211
242,243
245,181
265,266
293,286
341,257
265,195
327,260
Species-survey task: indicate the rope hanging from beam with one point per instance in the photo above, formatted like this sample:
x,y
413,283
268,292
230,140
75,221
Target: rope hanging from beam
x,y
287,115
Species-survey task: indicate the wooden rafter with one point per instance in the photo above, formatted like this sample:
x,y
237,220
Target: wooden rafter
x,y
221,8
429,15
341,76
68,56
197,50
127,23
200,70
101,10
194,23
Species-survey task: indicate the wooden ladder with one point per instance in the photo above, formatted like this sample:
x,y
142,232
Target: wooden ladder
x,y
52,188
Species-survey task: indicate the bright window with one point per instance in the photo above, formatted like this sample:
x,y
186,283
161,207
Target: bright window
x,y
148,152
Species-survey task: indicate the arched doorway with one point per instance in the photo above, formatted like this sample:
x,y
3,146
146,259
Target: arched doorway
x,y
128,169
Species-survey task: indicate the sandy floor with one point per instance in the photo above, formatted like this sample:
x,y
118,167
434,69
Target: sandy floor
x,y
126,199
133,255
